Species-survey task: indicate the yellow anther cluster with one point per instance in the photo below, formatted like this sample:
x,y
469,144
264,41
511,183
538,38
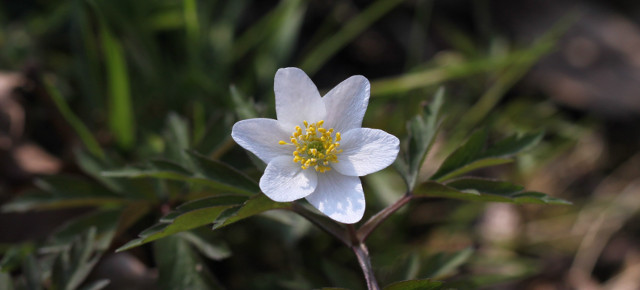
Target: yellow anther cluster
x,y
315,146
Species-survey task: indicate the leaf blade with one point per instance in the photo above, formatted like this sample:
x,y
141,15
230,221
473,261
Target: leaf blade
x,y
503,192
186,217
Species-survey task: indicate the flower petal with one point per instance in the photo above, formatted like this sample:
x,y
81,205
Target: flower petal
x,y
297,98
339,197
347,103
283,180
366,151
261,137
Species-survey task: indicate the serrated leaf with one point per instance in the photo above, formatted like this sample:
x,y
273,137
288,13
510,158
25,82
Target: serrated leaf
x,y
255,205
513,145
40,200
94,166
182,268
422,131
174,172
187,216
423,284
105,223
61,191
127,188
73,265
472,155
465,154
206,172
483,185
220,172
67,186
485,191
481,163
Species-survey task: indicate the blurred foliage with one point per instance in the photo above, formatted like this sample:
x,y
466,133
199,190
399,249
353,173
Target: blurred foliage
x,y
150,89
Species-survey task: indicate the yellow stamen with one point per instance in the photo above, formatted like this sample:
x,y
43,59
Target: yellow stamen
x,y
316,146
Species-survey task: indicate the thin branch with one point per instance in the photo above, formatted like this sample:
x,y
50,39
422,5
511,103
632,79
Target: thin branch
x,y
361,251
368,227
328,226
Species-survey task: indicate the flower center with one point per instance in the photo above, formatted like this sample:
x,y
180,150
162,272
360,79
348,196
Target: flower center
x,y
315,146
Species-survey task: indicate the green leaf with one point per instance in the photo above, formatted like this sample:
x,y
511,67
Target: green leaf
x,y
121,121
472,155
244,107
177,136
464,155
215,251
212,173
94,167
62,191
422,131
179,267
83,132
40,200
482,185
68,186
32,273
255,205
15,256
423,284
442,264
513,145
473,189
216,138
105,223
222,173
72,266
187,216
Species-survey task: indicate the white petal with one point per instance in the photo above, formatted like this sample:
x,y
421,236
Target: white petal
x,y
366,151
283,180
339,197
261,137
347,103
297,98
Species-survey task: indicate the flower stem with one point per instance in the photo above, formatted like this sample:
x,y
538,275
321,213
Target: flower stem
x,y
362,253
368,227
355,238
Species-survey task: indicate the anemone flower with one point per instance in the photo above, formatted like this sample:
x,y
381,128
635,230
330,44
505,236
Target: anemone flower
x,y
316,149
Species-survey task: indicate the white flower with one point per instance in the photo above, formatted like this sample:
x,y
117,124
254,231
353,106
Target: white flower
x,y
316,149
